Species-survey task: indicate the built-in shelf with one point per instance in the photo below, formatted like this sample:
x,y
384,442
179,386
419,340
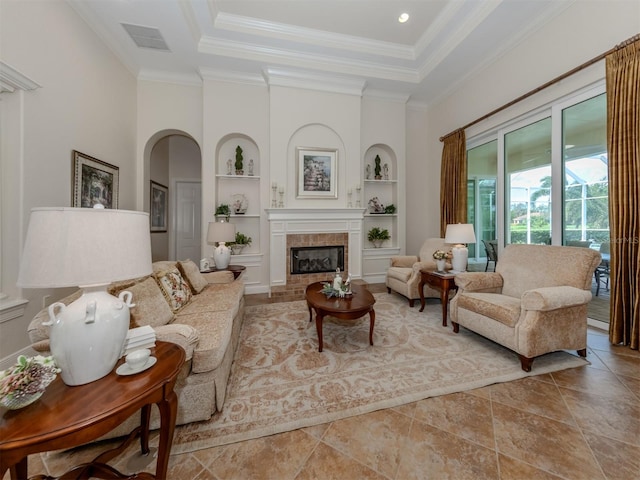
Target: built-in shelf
x,y
239,177
381,181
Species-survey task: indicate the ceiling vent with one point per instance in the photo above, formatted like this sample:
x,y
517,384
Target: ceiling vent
x,y
146,37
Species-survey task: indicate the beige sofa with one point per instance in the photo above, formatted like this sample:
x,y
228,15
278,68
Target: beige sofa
x,y
534,303
201,312
403,276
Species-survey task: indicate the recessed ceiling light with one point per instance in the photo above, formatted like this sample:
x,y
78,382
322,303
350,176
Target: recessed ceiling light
x,y
403,18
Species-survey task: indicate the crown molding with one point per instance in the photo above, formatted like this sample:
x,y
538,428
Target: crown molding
x,y
253,26
268,55
12,80
313,81
232,77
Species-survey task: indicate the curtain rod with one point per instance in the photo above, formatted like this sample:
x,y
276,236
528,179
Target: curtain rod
x,y
549,83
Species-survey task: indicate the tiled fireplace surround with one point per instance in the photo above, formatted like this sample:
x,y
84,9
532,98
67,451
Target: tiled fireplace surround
x,y
311,227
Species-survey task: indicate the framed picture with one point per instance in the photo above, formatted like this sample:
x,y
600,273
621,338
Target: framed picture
x,y
159,206
317,173
94,181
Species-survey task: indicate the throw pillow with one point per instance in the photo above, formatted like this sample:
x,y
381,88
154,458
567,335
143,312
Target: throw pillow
x,y
175,288
151,308
191,273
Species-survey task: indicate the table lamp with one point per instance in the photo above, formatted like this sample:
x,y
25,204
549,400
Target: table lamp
x,y
221,232
460,234
89,248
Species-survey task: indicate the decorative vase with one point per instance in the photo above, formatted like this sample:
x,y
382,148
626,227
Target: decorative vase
x,y
377,243
440,264
236,249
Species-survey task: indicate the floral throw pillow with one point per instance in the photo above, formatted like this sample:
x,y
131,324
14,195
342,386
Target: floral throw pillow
x,y
174,288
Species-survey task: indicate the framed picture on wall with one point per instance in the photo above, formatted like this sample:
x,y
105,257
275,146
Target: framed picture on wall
x,y
94,181
317,173
159,207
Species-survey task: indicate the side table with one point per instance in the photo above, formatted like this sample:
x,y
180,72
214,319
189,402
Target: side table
x,y
235,269
443,282
66,417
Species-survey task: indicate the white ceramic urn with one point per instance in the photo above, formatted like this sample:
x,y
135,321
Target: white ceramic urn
x,y
87,336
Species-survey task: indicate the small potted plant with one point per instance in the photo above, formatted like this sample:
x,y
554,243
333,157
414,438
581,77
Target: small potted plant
x,y
378,235
441,257
390,209
239,166
240,242
223,211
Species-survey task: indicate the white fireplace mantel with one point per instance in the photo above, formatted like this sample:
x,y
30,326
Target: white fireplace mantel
x,y
287,221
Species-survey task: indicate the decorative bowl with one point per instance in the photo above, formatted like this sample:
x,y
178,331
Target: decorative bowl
x,y
14,403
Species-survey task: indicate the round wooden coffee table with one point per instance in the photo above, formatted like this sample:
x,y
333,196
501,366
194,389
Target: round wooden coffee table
x,y
348,308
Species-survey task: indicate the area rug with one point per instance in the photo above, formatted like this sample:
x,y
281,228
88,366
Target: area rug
x,y
280,382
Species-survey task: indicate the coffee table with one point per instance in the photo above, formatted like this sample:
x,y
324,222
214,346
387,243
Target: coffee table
x,y
66,417
348,308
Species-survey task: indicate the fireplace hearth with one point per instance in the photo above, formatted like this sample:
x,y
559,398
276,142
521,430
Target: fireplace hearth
x,y
317,259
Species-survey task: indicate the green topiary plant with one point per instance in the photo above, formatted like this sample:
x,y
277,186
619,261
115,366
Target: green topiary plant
x,y
223,210
390,209
239,165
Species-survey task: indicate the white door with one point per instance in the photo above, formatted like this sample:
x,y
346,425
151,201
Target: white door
x,y
188,221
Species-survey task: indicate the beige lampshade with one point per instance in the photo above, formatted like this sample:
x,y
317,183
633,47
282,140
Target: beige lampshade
x,y
70,247
221,232
460,233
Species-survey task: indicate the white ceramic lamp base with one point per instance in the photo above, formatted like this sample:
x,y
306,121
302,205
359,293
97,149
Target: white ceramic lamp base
x,y
460,258
221,256
87,336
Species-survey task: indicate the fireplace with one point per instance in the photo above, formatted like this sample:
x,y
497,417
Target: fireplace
x,y
316,259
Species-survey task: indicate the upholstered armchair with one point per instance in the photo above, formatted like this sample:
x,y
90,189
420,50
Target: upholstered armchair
x,y
403,276
534,303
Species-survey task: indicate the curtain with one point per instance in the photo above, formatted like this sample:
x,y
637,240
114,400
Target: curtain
x,y
623,137
453,181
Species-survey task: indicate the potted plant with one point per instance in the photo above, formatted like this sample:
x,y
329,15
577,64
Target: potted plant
x,y
378,235
239,167
240,242
377,168
390,209
223,211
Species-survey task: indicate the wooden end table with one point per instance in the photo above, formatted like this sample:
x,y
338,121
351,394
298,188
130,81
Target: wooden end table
x,y
66,417
348,308
235,269
443,282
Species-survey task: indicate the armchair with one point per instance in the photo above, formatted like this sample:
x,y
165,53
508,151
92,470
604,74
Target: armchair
x,y
534,303
403,276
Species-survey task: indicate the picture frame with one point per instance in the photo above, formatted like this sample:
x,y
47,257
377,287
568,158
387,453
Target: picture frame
x,y
317,172
94,181
158,207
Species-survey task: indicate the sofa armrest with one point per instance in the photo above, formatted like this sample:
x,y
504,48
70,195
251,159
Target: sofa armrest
x,y
489,282
553,298
405,261
424,265
223,276
184,335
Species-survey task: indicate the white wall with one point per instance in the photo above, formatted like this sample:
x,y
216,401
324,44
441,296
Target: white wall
x,y
582,32
86,103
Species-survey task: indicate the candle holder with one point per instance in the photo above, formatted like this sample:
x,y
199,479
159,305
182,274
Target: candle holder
x,y
274,187
281,203
349,203
358,203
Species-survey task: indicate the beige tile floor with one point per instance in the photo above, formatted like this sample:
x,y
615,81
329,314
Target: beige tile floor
x,y
582,423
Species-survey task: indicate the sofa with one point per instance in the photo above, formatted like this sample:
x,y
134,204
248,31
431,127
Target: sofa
x,y
534,303
203,313
403,276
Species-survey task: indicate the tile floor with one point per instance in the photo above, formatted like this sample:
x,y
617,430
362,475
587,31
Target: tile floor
x,y
582,423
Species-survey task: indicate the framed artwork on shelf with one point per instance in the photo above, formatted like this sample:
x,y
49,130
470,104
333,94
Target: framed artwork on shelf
x,y
317,172
94,181
159,206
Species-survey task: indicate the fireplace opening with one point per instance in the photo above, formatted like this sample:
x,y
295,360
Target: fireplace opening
x,y
317,259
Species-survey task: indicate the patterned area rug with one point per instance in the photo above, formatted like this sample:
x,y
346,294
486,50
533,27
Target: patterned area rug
x,y
280,382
